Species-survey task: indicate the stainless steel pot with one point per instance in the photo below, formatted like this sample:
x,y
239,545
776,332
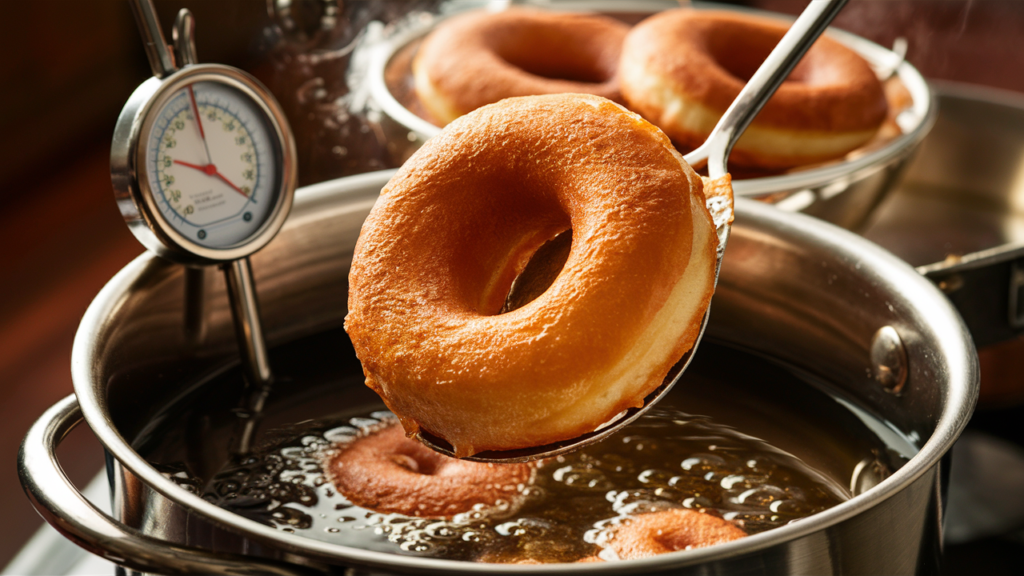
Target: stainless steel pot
x,y
958,216
793,288
843,193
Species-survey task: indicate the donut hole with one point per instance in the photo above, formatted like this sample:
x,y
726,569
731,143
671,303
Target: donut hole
x,y
554,54
478,271
563,67
741,54
417,459
674,540
540,272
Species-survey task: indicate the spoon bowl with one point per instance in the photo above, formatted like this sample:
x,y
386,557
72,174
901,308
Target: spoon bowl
x,y
715,150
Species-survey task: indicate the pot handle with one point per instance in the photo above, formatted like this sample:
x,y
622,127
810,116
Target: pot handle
x,y
77,519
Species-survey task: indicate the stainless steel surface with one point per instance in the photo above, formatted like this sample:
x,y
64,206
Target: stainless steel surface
x,y
184,36
889,359
245,310
195,306
958,214
160,60
80,521
844,193
787,291
769,76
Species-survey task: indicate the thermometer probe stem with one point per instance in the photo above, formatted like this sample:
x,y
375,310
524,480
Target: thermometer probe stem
x,y
246,313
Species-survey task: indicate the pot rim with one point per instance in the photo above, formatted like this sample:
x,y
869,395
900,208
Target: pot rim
x,y
924,107
952,339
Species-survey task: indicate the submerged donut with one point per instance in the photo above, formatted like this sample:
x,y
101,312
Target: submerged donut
x,y
682,69
460,220
670,531
480,57
387,472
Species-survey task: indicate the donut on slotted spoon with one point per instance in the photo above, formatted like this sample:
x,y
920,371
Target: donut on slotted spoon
x,y
460,220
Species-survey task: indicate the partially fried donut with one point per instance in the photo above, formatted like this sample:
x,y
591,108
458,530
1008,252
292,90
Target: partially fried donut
x,y
670,531
387,472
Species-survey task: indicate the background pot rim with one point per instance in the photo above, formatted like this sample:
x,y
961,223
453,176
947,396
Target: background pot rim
x,y
840,173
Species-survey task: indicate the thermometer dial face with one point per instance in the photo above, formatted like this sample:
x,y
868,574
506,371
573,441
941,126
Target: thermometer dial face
x,y
212,164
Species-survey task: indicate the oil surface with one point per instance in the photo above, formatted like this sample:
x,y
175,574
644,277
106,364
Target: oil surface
x,y
715,443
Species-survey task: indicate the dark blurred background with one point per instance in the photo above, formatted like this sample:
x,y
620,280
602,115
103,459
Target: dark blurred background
x,y
71,65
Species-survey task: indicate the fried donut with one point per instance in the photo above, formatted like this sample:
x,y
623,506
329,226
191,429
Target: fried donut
x,y
460,220
682,68
670,531
387,472
480,57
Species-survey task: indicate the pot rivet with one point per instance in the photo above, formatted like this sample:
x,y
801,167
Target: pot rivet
x,y
889,359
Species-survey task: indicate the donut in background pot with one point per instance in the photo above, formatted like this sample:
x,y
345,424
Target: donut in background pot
x,y
681,69
479,58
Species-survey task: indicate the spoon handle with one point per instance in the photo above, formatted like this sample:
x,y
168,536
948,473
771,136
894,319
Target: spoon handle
x,y
811,23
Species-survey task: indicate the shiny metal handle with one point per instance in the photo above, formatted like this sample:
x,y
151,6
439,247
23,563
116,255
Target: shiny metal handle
x,y
64,507
811,23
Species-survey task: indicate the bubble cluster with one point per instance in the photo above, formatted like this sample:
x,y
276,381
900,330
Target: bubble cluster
x,y
666,459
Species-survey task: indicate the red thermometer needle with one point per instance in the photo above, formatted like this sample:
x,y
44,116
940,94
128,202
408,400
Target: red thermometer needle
x,y
211,170
199,122
228,182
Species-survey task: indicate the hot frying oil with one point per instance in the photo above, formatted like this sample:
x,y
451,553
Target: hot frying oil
x,y
701,448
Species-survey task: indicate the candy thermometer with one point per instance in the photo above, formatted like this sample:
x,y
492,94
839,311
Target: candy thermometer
x,y
204,171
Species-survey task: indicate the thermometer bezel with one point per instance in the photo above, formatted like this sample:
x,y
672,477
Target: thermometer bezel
x,y
129,171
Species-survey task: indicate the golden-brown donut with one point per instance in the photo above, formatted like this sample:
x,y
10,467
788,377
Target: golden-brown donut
x,y
459,221
387,472
682,69
669,531
481,57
